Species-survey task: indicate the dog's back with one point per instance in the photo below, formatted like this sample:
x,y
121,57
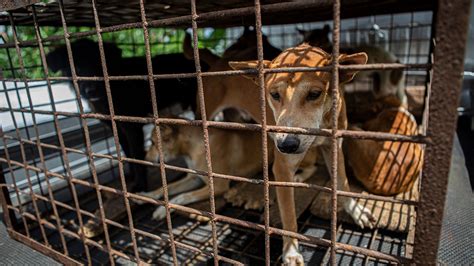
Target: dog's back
x,y
130,97
233,152
387,167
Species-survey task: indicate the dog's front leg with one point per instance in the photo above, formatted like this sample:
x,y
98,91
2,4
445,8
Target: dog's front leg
x,y
361,215
284,168
185,184
220,186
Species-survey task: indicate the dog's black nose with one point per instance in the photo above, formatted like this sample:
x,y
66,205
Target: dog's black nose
x,y
289,145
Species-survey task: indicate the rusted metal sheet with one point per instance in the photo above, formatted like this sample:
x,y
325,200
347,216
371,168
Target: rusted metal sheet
x,y
48,251
7,5
451,33
212,13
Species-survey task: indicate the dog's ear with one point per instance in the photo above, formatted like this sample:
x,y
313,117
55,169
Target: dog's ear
x,y
167,131
247,30
243,65
396,75
58,60
187,46
326,29
351,59
301,31
168,127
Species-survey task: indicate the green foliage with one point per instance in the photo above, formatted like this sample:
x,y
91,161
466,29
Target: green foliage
x,y
163,41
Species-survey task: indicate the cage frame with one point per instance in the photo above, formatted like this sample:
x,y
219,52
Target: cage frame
x,y
450,23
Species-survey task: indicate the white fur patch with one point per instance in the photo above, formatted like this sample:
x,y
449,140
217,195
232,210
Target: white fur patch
x,y
160,213
292,256
361,215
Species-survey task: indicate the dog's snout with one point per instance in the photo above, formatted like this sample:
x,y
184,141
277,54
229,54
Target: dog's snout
x,y
289,144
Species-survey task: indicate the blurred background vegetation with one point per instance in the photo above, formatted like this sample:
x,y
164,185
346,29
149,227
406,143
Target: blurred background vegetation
x,y
131,42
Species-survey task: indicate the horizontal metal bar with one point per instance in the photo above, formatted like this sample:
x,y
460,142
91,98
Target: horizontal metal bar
x,y
312,240
202,173
366,67
217,175
214,15
281,232
382,136
118,225
73,235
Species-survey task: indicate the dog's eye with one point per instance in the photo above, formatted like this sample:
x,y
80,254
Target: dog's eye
x,y
313,95
275,96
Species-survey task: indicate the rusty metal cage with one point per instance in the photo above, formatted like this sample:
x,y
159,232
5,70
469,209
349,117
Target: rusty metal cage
x,y
38,214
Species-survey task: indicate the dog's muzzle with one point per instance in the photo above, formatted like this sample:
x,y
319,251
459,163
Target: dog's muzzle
x,y
289,144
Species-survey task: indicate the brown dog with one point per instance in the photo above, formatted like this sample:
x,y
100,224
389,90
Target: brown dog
x,y
300,100
188,142
386,167
219,95
233,152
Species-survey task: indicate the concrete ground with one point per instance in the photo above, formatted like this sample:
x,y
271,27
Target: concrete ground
x,y
15,253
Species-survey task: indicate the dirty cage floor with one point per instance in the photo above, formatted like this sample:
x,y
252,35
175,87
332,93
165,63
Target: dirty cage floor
x,y
238,243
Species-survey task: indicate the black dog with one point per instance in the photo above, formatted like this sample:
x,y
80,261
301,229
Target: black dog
x,y
129,97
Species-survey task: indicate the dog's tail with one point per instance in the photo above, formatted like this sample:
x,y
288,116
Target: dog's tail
x,y
205,55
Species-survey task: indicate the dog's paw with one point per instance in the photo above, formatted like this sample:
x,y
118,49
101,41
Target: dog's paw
x,y
254,204
292,257
159,213
92,228
361,215
234,197
143,194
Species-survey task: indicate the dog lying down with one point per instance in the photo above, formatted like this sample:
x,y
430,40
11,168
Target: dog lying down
x,y
233,152
386,167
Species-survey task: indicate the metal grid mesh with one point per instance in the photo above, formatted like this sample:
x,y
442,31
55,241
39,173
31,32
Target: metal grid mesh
x,y
169,238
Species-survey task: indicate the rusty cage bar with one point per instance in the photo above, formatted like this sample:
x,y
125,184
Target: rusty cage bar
x,y
26,210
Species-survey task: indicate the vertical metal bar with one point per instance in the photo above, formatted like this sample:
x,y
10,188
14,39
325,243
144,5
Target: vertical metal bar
x,y
86,131
17,89
429,78
7,156
263,117
327,255
151,81
9,215
371,244
114,130
38,141
451,33
64,156
66,165
334,140
410,37
23,155
204,129
390,35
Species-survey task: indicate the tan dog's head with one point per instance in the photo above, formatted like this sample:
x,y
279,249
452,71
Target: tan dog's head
x,y
301,99
170,136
